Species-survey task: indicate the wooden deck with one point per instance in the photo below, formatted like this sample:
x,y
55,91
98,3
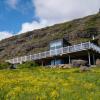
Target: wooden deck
x,y
56,52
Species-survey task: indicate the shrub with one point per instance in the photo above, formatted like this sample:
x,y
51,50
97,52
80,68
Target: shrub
x,y
29,64
4,65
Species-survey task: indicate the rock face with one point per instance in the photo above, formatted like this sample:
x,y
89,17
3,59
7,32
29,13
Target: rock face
x,y
78,63
76,31
98,62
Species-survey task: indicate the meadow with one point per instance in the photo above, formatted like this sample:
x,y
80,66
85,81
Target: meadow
x,y
49,84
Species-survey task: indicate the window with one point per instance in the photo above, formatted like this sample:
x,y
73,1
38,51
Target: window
x,y
56,45
56,62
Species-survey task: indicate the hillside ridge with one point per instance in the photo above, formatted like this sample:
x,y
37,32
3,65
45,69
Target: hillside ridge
x,y
75,31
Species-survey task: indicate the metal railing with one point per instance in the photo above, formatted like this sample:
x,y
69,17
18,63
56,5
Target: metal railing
x,y
56,52
95,47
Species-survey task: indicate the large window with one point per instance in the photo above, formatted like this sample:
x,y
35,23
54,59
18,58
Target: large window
x,y
56,62
55,45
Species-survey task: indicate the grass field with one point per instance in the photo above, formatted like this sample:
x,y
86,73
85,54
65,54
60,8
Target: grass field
x,y
49,84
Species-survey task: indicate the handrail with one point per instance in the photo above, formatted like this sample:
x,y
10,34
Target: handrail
x,y
95,47
56,52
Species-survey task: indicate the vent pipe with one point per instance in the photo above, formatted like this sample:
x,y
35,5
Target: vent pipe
x,y
93,37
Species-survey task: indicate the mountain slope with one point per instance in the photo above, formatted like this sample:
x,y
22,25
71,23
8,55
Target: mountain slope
x,y
75,31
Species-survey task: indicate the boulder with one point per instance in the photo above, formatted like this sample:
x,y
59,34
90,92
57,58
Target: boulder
x,y
84,68
78,63
54,66
67,66
98,62
61,66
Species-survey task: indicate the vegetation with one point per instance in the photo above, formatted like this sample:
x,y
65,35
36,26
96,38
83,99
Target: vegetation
x,y
49,84
29,64
4,65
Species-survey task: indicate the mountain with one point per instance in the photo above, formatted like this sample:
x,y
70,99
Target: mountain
x,y
75,31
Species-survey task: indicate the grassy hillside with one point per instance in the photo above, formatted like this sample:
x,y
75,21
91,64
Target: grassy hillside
x,y
75,31
49,84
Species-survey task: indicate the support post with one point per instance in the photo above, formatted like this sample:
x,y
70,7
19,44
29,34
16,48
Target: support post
x,y
55,61
94,59
42,63
69,59
21,62
89,58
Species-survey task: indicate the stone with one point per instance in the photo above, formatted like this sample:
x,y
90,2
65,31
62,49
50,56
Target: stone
x,y
67,66
84,68
98,62
61,66
78,63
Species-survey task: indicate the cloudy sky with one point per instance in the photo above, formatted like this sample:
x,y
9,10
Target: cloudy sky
x,y
19,16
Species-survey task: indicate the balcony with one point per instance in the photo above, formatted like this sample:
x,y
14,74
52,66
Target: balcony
x,y
56,52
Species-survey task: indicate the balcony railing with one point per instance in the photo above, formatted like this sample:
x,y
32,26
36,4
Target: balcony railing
x,y
56,52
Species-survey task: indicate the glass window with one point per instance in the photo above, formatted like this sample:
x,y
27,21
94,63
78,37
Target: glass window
x,y
53,62
56,45
56,62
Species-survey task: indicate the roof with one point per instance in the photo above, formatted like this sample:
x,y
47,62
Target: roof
x,y
62,39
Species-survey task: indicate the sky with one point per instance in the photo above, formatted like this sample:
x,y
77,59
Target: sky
x,y
20,16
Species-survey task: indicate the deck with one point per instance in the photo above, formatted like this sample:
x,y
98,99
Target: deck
x,y
56,52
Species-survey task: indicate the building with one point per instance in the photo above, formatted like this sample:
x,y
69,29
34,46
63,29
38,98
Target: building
x,y
62,52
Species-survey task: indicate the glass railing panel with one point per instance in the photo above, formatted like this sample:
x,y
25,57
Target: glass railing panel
x,y
71,49
66,50
43,55
86,45
59,51
47,53
52,52
77,47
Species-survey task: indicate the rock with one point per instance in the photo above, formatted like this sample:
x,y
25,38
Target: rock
x,y
67,66
84,68
61,66
78,63
98,62
54,66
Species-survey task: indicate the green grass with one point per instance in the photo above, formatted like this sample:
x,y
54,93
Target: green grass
x,y
49,84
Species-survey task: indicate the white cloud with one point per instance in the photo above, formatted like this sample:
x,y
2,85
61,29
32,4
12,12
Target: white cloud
x,y
56,11
4,35
12,3
33,25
